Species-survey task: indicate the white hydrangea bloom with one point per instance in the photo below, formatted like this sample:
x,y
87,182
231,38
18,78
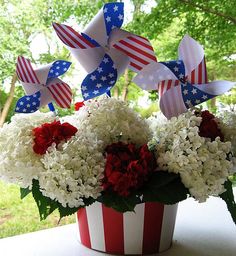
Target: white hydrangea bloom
x,y
18,162
202,164
112,120
73,172
155,121
227,123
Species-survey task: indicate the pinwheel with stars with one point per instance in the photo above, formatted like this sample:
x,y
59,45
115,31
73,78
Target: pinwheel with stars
x,y
42,85
104,50
182,83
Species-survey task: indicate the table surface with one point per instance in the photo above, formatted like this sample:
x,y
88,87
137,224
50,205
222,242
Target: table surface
x,y
204,229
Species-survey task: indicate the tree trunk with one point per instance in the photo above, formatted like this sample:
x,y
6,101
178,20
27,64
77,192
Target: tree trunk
x,y
125,88
213,103
116,92
9,100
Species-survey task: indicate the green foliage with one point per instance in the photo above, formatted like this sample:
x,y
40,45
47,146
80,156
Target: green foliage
x,y
162,187
229,99
165,188
228,197
47,206
24,192
119,203
21,216
212,23
147,112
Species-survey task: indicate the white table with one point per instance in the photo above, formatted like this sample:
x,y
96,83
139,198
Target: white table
x,y
201,230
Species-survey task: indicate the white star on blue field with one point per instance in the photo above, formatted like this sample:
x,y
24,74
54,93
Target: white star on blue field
x,y
101,80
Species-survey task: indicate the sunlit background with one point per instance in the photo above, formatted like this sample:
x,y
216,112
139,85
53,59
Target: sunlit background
x,y
25,29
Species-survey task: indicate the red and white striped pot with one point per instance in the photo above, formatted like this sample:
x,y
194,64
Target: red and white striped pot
x,y
147,230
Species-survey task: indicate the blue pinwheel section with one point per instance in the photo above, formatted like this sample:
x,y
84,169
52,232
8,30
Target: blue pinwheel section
x,y
177,67
58,68
113,16
101,80
192,96
28,104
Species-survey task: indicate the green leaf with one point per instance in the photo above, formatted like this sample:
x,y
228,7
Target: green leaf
x,y
24,192
45,205
228,197
165,188
67,211
119,203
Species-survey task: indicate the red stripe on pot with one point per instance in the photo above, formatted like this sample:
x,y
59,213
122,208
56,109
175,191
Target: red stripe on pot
x,y
83,227
113,230
153,216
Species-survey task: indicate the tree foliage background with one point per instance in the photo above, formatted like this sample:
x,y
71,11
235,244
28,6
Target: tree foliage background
x,y
212,23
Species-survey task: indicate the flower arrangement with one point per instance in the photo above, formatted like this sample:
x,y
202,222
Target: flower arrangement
x,y
106,152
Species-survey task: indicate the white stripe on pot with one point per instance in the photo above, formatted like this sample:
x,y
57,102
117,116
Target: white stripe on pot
x,y
96,228
168,225
133,230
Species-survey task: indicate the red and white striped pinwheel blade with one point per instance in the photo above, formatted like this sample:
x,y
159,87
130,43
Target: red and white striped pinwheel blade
x,y
25,71
72,38
192,54
199,74
61,93
138,49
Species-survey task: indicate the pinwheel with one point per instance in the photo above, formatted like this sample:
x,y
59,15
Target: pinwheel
x,y
42,85
181,83
104,50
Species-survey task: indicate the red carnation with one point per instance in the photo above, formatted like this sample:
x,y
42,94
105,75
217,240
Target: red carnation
x,y
50,133
127,168
209,127
79,105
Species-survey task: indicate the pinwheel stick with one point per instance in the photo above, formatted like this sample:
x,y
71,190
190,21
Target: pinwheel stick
x,y
51,107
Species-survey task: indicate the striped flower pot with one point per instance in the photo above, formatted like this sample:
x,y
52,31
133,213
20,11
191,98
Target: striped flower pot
x,y
147,230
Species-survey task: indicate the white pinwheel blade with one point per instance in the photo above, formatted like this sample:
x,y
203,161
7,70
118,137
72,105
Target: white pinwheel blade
x,y
84,51
137,48
46,97
42,73
151,75
89,58
120,60
31,88
96,28
191,52
216,87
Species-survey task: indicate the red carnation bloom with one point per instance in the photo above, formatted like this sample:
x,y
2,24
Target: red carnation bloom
x,y
209,127
50,133
79,105
127,168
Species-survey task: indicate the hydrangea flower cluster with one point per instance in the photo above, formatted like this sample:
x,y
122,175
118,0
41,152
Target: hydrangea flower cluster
x,y
75,170
19,164
112,121
228,127
105,151
203,164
